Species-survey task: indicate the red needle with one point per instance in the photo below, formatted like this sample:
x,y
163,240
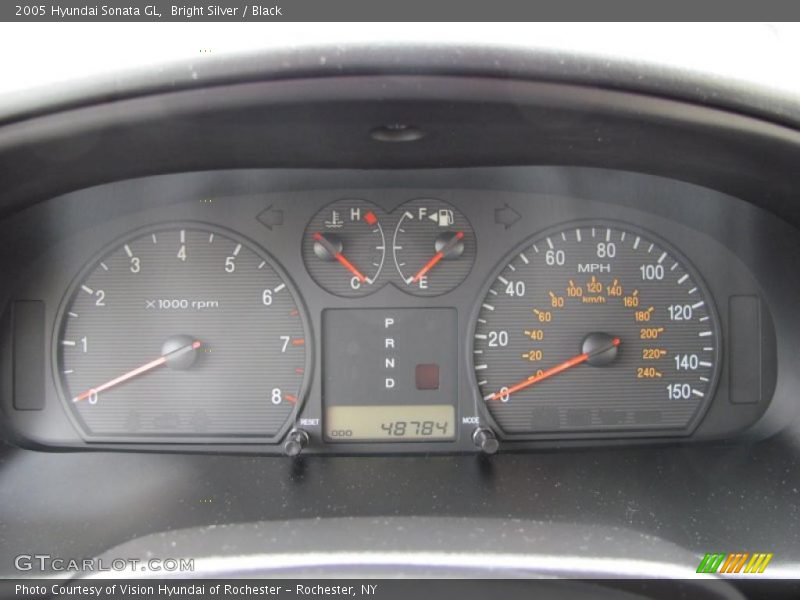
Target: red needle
x,y
567,364
339,256
130,374
437,257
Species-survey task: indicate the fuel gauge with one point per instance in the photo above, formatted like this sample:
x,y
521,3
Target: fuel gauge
x,y
344,248
433,247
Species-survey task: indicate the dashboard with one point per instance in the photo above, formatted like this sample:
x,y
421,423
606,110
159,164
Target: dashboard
x,y
594,307
405,311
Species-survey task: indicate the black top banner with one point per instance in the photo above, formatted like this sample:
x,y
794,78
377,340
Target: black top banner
x,y
406,11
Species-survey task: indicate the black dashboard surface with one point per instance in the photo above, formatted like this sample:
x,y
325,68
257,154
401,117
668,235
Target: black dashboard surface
x,y
718,186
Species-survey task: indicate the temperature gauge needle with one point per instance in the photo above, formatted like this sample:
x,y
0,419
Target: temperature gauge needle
x,y
437,257
138,371
567,364
318,237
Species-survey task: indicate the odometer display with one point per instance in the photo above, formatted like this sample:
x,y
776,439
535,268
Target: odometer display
x,y
595,328
182,333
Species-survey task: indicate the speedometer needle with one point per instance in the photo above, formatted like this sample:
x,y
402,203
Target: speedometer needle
x,y
318,237
161,360
437,257
567,364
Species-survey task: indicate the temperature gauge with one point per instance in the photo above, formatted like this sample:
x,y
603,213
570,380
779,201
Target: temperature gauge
x,y
344,248
433,246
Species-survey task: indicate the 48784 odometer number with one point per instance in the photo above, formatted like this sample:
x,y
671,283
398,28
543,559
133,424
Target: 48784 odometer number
x,y
595,328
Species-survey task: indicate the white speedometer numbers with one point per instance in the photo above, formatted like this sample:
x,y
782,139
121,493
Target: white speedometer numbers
x,y
595,329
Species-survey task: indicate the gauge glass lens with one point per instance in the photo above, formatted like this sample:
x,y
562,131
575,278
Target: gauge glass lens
x,y
184,332
433,247
595,328
344,248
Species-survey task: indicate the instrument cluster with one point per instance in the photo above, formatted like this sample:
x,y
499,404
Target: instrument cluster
x,y
385,320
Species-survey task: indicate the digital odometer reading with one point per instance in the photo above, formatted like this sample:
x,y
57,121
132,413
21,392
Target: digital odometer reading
x,y
182,333
387,423
595,328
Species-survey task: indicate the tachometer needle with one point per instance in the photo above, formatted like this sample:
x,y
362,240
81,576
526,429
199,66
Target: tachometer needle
x,y
318,237
437,257
567,364
161,360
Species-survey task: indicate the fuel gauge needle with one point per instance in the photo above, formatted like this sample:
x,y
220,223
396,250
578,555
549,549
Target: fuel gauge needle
x,y
161,360
318,237
437,257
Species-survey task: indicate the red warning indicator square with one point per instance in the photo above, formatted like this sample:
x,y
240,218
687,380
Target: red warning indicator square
x,y
370,218
427,377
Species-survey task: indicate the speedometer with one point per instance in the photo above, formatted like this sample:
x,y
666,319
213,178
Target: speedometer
x,y
595,328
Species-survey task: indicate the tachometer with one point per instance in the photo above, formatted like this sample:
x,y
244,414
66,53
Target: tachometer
x,y
183,333
596,328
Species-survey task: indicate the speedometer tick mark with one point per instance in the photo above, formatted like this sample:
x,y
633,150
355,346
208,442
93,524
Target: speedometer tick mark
x,y
237,249
705,333
578,234
693,290
104,266
261,266
524,258
683,278
550,243
636,242
608,235
87,289
488,306
128,250
279,287
662,257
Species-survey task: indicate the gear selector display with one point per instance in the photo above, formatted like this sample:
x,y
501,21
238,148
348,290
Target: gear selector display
x,y
390,374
